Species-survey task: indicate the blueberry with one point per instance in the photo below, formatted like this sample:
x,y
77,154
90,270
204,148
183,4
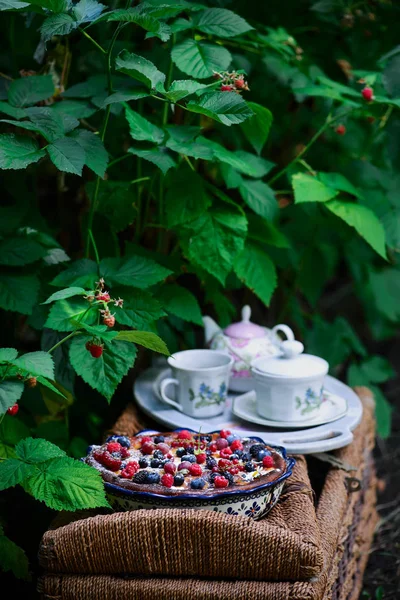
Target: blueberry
x,y
179,479
246,456
205,438
189,457
229,477
89,449
180,452
231,438
213,476
155,463
234,456
197,484
249,467
190,450
123,464
159,439
111,438
124,441
239,453
255,449
115,455
158,454
152,477
261,455
211,462
143,462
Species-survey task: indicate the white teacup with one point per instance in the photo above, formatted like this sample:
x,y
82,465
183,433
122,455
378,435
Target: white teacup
x,y
201,377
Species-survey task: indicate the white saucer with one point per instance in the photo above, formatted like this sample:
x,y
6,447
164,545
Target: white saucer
x,y
333,408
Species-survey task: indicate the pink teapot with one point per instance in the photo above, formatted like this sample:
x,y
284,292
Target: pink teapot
x,y
244,341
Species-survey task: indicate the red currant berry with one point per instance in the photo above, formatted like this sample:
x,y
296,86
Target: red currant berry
x,y
340,130
224,433
13,410
367,93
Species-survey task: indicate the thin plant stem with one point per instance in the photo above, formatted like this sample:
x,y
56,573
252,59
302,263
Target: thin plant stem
x,y
117,160
189,162
94,247
68,337
328,121
89,37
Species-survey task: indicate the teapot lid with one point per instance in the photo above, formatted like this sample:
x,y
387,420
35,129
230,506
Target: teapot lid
x,y
245,329
292,363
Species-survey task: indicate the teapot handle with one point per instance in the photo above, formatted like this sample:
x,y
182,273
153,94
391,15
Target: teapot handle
x,y
284,329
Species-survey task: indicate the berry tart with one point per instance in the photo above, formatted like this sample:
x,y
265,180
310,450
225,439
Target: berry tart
x,y
182,469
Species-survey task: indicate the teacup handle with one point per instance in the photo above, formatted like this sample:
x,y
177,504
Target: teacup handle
x,y
166,399
286,330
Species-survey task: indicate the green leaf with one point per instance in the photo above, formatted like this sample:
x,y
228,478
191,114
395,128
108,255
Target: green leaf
x,y
17,152
157,156
364,222
260,197
181,88
221,22
148,339
140,69
37,450
391,223
142,129
196,149
116,201
125,96
377,369
50,386
140,309
227,108
140,17
60,24
86,11
36,363
180,302
256,128
254,267
310,189
385,286
265,232
105,373
56,6
12,430
12,557
81,272
19,293
93,86
64,311
13,472
67,484
67,293
12,111
337,181
75,108
48,123
18,251
246,163
200,59
216,239
135,271
7,354
12,4
100,331
96,157
30,90
383,409
10,393
67,155
186,198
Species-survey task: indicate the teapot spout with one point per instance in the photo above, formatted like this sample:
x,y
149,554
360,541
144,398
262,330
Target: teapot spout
x,y
210,328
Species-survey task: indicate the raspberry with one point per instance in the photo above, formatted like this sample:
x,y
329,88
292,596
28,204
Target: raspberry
x,y
170,468
340,130
224,433
226,88
129,471
31,382
268,461
13,410
225,452
201,458
114,447
184,465
167,480
147,448
124,452
240,83
213,447
367,93
96,350
221,482
195,469
184,435
164,448
104,297
145,439
221,443
237,445
224,463
109,321
105,459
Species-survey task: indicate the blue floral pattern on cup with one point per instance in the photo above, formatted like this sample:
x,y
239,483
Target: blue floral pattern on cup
x,y
311,401
206,396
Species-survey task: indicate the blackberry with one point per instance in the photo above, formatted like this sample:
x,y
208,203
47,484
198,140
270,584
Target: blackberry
x,y
190,450
229,477
180,452
124,441
152,477
143,462
140,477
249,466
211,462
158,454
197,484
155,463
179,479
189,458
159,439
255,449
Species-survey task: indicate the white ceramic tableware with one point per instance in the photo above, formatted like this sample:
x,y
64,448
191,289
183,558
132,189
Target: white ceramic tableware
x,y
289,387
244,341
201,378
